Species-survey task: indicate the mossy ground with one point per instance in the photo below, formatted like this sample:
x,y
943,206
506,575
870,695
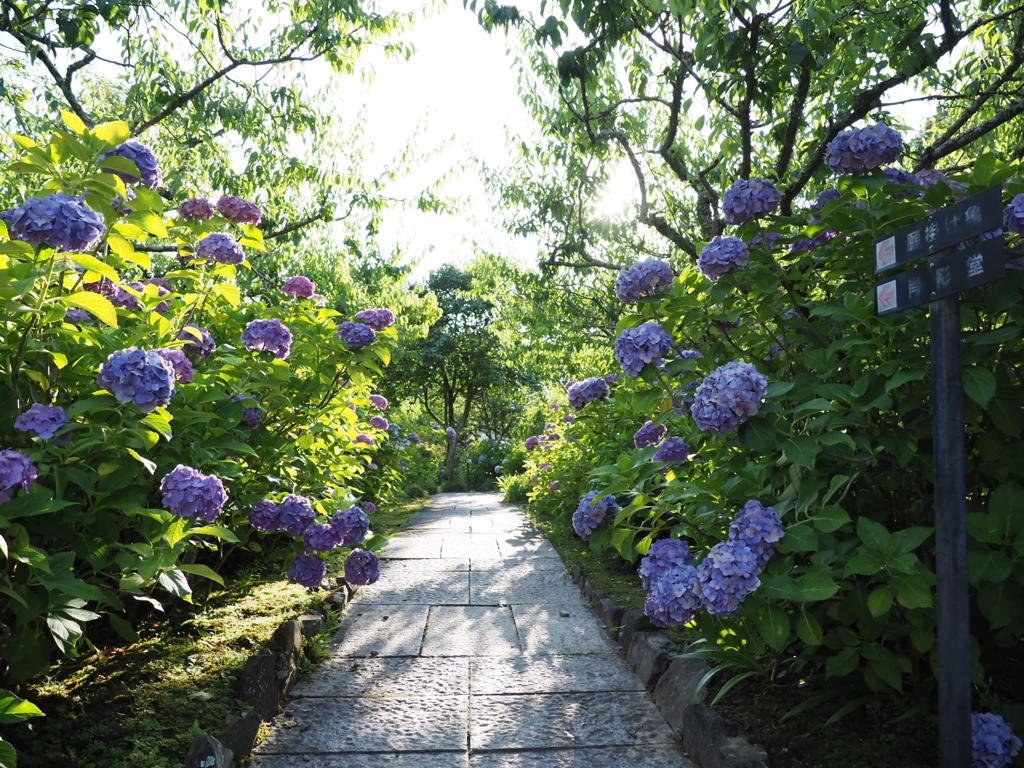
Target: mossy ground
x,y
866,738
139,705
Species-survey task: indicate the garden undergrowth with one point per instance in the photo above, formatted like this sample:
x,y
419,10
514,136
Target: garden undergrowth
x,y
140,705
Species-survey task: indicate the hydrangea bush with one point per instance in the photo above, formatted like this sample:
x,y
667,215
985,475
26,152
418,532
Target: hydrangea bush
x,y
156,424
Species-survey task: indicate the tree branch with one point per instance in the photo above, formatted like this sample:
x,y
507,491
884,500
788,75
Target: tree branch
x,y
796,116
750,83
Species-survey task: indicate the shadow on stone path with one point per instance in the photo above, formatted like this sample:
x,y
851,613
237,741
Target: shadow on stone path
x,y
474,649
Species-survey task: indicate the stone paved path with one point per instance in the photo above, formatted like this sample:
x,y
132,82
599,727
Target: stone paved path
x,y
474,650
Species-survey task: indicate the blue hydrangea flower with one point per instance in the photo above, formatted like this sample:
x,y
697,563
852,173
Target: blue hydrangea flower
x,y
144,159
589,515
612,379
414,438
721,256
674,451
15,469
204,346
299,287
672,600
195,208
663,556
252,415
827,196
265,516
378,422
295,514
379,401
368,507
727,575
899,176
759,528
1013,215
138,376
749,199
993,744
189,493
362,568
649,434
378,319
41,420
576,398
728,397
179,363
768,240
60,221
239,210
450,434
321,537
636,347
356,335
307,570
862,149
586,391
220,247
269,335
682,398
351,525
691,354
645,278
929,177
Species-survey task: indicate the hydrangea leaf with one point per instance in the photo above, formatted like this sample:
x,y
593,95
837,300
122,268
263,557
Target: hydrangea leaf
x,y
96,305
202,570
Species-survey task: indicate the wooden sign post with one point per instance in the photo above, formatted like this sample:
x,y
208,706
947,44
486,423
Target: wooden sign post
x,y
939,282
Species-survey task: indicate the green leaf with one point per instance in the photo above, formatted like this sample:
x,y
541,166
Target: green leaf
x,y
830,518
880,601
888,669
774,626
149,465
204,571
215,530
875,535
229,292
814,586
8,757
159,422
14,709
114,133
93,264
901,378
801,450
843,663
979,384
808,628
73,121
912,591
96,305
174,581
799,538
910,539
1000,603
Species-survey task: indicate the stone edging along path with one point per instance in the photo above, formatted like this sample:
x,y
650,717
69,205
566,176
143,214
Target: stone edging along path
x,y
477,649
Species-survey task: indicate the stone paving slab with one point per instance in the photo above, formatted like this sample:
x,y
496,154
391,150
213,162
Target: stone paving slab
x,y
412,546
647,756
565,720
522,585
470,631
380,631
515,547
370,725
421,565
363,760
473,545
536,563
551,674
417,587
394,676
565,628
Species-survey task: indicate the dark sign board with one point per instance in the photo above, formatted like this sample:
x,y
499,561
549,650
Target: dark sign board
x,y
945,274
947,226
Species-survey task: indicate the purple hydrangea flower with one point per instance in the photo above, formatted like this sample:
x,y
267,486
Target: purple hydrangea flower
x,y
125,300
220,247
691,354
929,177
554,407
321,537
252,415
414,438
531,443
299,287
120,204
295,514
554,436
1013,215
759,528
41,420
307,570
372,466
15,469
144,159
727,575
195,208
356,335
378,422
379,401
60,221
269,335
576,399
351,525
378,319
568,418
450,434
636,347
673,600
265,516
749,199
674,450
993,744
554,487
682,398
862,149
594,389
721,256
645,278
827,196
239,210
362,568
612,379
204,346
589,515
728,397
768,240
189,493
649,434
138,376
364,439
368,507
663,556
544,467
900,176
179,363
78,316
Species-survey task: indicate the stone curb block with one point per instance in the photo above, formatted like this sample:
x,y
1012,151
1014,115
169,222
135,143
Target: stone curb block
x,y
649,654
674,691
206,752
708,742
